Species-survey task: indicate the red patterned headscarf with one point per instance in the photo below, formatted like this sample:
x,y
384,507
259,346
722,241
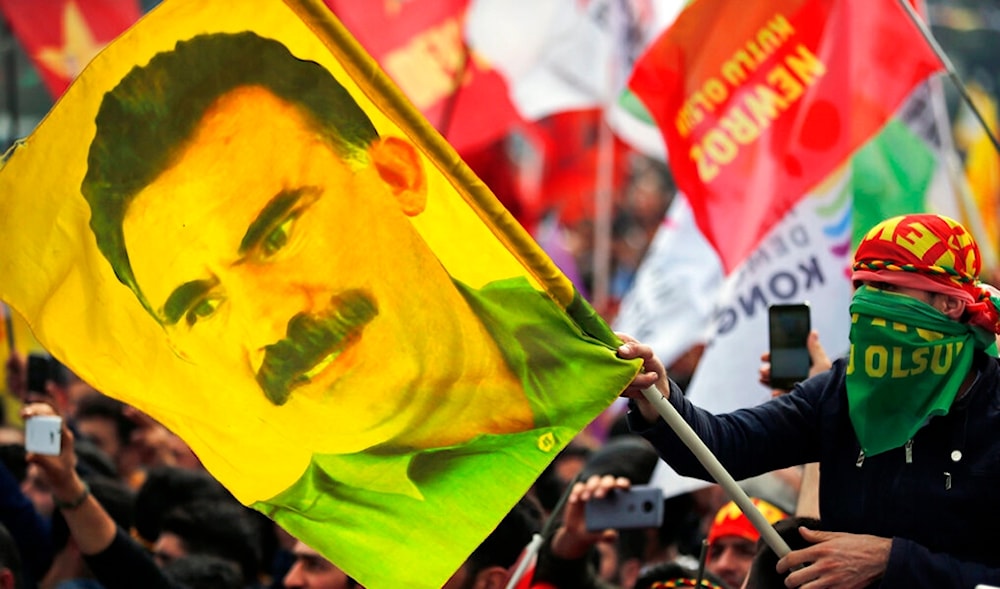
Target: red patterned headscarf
x,y
932,253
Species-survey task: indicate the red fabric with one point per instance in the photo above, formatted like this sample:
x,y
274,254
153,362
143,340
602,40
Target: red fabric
x,y
419,43
833,70
571,150
932,253
62,36
731,521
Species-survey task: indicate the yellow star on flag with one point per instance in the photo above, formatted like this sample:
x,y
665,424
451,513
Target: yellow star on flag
x,y
78,45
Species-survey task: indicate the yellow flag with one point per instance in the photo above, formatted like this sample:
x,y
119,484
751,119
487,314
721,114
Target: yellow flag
x,y
234,222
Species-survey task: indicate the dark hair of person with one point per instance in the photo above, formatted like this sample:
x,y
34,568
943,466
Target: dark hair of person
x,y
763,574
630,456
549,487
675,574
204,571
506,542
146,121
100,406
167,487
222,528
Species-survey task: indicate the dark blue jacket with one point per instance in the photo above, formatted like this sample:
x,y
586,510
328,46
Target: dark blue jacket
x,y
939,500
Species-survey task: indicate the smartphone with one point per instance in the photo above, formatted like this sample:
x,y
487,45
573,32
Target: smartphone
x,y
639,507
789,326
43,434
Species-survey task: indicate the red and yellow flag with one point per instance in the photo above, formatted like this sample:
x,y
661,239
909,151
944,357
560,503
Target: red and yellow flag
x,y
62,36
421,45
758,102
254,238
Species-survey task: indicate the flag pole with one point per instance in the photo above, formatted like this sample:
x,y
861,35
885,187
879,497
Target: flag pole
x,y
715,468
950,68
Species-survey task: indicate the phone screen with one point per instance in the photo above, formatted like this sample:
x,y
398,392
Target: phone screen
x,y
789,329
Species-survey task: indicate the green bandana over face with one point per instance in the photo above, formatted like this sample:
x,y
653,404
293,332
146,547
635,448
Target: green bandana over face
x,y
907,363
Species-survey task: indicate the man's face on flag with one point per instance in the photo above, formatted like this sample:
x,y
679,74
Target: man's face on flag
x,y
262,251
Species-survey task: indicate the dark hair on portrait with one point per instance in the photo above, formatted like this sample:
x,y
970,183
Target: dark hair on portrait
x,y
144,123
763,574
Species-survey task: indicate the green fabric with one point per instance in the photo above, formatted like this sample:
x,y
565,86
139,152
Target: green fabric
x,y
890,176
362,509
907,363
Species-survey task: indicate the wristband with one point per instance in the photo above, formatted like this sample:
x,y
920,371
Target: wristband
x,y
75,502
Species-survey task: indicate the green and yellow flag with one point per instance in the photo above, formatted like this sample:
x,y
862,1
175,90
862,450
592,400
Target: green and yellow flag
x,y
234,222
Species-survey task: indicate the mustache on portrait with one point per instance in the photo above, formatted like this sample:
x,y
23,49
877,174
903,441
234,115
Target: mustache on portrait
x,y
310,339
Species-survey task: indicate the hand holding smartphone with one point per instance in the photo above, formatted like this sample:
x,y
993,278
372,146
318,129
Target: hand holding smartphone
x,y
638,507
789,327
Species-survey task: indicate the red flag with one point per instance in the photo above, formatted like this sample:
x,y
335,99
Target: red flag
x,y
61,36
420,44
570,147
759,101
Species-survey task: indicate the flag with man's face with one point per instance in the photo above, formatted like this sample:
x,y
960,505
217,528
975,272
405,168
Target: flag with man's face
x,y
253,238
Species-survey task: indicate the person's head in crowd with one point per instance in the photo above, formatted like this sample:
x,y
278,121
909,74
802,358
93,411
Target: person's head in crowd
x,y
667,575
222,528
631,457
10,561
167,487
204,571
732,540
560,474
68,564
311,570
491,564
763,572
104,422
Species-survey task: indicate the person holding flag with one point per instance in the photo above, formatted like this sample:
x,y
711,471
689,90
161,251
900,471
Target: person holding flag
x,y
904,428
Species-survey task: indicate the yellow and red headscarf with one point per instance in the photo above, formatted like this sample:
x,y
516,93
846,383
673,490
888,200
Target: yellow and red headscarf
x,y
931,253
731,521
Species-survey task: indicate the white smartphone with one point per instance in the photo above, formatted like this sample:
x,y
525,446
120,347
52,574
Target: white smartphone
x,y
43,434
639,507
